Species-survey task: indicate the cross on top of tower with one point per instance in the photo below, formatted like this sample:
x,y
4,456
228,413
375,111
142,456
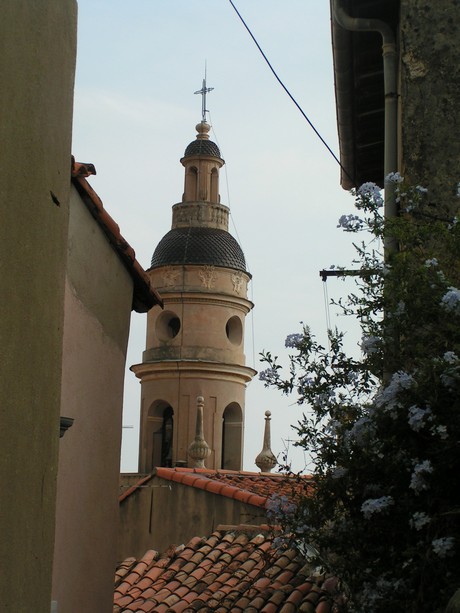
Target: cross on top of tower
x,y
203,91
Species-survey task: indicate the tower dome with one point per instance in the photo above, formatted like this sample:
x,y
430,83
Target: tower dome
x,y
200,246
202,145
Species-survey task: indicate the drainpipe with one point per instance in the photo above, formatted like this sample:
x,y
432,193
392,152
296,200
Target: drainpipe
x,y
391,99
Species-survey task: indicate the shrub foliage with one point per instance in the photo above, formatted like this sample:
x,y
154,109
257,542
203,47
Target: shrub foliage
x,y
383,429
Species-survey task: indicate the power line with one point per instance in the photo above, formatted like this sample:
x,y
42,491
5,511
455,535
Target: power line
x,y
304,115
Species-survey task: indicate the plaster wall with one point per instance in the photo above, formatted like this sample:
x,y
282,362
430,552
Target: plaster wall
x,y
98,298
430,97
37,66
164,513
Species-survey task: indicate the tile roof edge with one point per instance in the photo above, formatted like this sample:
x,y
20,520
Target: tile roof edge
x,y
207,483
246,528
144,295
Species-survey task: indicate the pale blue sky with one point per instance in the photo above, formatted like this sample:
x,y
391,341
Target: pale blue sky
x,y
139,63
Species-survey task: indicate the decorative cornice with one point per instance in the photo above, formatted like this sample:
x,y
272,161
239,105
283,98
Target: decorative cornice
x,y
225,300
168,369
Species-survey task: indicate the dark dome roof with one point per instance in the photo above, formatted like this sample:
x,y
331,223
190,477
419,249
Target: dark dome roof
x,y
202,146
205,246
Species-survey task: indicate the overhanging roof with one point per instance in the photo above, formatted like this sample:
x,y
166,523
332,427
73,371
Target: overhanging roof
x,y
144,295
358,78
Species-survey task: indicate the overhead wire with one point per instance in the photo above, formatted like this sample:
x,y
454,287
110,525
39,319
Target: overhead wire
x,y
304,115
312,126
251,286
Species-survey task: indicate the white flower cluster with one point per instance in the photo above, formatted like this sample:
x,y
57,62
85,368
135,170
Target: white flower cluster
x,y
370,344
450,357
376,505
269,375
394,177
372,191
293,340
441,431
362,429
419,520
431,263
451,300
350,223
443,546
388,397
418,481
418,418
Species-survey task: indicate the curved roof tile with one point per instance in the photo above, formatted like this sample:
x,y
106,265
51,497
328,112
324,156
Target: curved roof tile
x,y
213,578
200,246
202,146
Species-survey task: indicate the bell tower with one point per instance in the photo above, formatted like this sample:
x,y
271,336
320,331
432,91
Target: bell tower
x,y
195,346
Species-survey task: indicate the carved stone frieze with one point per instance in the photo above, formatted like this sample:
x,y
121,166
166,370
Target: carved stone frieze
x,y
170,275
237,280
208,276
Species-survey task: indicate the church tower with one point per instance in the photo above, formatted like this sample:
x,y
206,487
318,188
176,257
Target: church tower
x,y
195,346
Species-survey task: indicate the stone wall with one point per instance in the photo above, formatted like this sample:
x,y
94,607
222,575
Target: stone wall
x,y
430,97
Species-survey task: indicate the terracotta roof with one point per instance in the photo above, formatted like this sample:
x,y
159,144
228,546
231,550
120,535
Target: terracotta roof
x,y
144,295
234,570
247,487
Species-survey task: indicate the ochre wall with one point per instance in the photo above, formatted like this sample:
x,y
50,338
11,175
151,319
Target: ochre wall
x,y
37,65
430,97
98,301
163,513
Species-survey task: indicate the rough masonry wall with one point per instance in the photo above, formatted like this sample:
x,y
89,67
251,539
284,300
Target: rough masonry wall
x,y
430,95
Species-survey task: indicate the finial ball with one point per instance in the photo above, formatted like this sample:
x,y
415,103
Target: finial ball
x,y
200,399
268,413
202,127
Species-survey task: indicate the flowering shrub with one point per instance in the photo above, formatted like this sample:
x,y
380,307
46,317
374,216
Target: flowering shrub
x,y
383,429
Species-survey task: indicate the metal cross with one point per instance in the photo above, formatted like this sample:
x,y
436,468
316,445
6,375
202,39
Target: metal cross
x,y
203,91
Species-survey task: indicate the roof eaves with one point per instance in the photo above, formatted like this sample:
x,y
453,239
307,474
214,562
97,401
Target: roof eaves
x,y
343,86
144,295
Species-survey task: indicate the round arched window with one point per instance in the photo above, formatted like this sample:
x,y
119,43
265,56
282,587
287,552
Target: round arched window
x,y
234,330
167,326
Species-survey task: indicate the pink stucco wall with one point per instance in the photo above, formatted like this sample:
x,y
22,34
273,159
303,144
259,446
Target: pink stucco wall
x,y
98,296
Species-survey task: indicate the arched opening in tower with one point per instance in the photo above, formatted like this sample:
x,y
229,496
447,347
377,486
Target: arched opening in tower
x,y
232,437
159,439
215,185
191,184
